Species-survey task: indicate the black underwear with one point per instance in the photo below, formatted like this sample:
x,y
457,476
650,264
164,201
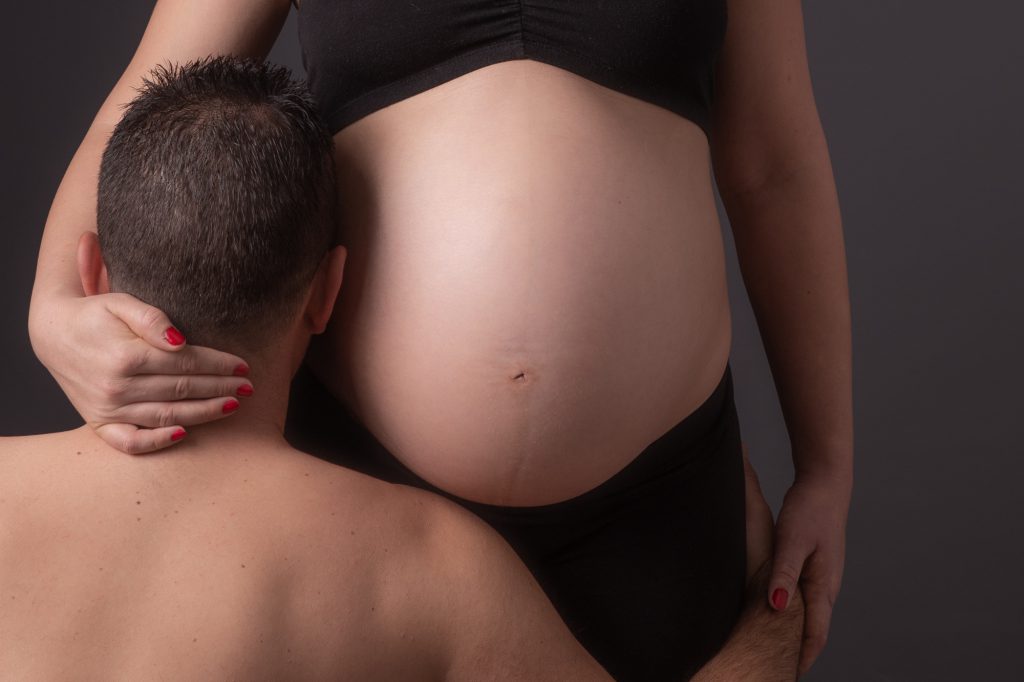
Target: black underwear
x,y
647,569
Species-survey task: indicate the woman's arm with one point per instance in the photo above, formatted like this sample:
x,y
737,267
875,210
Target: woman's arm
x,y
95,346
774,174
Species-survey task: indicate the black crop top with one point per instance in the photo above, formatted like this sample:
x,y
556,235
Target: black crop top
x,y
362,55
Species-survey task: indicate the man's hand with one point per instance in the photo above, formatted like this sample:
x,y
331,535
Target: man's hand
x,y
810,545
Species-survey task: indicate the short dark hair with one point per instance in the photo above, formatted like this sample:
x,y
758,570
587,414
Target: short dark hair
x,y
217,198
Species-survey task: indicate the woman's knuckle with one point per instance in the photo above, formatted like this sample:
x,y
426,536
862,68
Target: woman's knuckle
x,y
788,573
113,412
812,587
128,445
128,360
123,359
187,363
151,317
111,389
165,415
182,387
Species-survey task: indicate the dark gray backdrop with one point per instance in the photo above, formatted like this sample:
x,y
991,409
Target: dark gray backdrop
x,y
922,103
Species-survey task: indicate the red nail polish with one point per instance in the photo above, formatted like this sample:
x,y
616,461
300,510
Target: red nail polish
x,y
245,391
780,598
230,406
242,370
178,435
174,337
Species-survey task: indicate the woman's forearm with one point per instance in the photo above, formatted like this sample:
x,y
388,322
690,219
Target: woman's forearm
x,y
72,212
789,241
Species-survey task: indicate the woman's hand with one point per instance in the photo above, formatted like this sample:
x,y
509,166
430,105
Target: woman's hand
x,y
129,372
810,546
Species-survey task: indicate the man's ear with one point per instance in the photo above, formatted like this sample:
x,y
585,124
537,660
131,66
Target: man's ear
x,y
324,292
91,268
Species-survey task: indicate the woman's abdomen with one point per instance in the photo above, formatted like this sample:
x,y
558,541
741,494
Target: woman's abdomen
x,y
535,288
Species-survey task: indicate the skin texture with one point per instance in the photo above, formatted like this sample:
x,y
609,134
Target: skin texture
x,y
565,160
250,560
253,561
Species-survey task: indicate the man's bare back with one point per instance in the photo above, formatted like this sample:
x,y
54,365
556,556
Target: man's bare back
x,y
247,562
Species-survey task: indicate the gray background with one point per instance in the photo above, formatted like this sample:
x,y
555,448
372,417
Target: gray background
x,y
922,103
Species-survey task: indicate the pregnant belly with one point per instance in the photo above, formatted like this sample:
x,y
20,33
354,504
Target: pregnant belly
x,y
535,288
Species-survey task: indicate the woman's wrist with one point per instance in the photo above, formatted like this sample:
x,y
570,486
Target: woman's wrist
x,y
836,479
824,461
43,315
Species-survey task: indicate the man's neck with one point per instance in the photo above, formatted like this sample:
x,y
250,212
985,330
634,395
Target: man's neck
x,y
258,422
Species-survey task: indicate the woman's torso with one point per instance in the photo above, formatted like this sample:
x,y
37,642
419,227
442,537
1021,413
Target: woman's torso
x,y
535,288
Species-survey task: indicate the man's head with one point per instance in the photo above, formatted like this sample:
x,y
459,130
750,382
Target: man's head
x,y
216,204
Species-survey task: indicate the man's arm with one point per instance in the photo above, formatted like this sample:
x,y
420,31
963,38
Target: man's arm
x,y
764,645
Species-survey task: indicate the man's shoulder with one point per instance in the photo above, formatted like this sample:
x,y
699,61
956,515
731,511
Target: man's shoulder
x,y
346,508
333,488
400,528
372,554
30,443
38,451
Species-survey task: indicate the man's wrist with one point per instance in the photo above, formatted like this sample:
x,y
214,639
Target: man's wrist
x,y
764,646
769,640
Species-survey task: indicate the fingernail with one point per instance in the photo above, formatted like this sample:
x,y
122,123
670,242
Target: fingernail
x,y
230,406
242,370
245,391
174,337
178,435
780,598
